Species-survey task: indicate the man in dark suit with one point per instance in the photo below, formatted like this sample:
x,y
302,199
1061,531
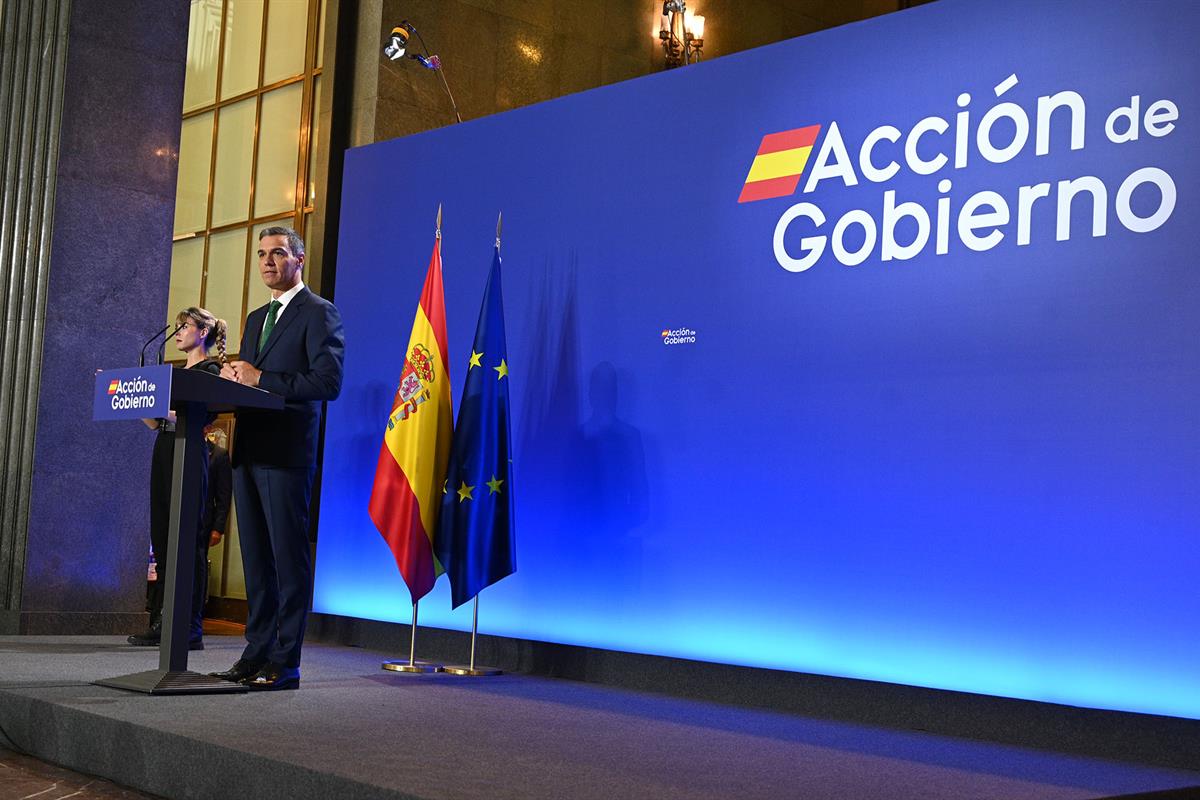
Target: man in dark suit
x,y
220,488
216,518
294,347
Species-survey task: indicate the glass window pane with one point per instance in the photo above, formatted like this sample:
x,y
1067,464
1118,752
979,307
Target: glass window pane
x,y
278,151
235,579
311,200
235,151
287,24
191,190
311,233
258,295
187,262
257,292
204,41
226,277
321,34
243,41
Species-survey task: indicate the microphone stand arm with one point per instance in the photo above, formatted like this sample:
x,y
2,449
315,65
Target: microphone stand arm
x,y
453,104
434,63
142,358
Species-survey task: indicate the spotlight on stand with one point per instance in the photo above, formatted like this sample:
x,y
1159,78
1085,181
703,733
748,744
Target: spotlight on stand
x,y
398,43
397,49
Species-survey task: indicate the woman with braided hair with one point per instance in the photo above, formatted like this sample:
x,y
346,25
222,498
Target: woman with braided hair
x,y
199,331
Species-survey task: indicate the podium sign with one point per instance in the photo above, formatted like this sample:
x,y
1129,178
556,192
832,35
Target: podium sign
x,y
142,392
132,393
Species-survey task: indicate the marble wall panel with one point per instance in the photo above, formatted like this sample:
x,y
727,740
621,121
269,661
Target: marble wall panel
x,y
107,290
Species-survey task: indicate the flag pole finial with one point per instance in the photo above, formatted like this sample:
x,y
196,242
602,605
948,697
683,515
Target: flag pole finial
x,y
499,219
438,229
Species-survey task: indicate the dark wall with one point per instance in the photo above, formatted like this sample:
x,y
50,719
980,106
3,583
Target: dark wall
x,y
503,55
107,290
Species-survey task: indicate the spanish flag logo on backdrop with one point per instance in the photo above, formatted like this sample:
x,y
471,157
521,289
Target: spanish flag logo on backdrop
x,y
406,495
776,169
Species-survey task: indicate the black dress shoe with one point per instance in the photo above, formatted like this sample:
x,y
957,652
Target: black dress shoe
x,y
150,638
274,677
239,672
196,644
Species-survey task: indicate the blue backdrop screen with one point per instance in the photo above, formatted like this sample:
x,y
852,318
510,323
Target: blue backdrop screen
x,y
926,413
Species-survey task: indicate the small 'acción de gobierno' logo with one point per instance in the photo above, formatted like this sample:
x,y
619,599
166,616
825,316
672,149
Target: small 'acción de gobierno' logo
x,y
678,336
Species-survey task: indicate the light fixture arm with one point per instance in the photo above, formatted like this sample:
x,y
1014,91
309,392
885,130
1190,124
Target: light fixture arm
x,y
446,86
397,48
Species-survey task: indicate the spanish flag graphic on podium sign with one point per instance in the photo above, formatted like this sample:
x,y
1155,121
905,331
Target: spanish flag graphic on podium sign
x,y
416,442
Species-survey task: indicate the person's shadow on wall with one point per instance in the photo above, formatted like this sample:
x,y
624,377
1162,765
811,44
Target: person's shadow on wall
x,y
612,493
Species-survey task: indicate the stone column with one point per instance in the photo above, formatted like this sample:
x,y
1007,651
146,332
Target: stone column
x,y
90,98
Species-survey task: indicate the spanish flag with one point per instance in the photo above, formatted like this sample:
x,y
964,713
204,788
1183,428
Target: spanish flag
x,y
416,442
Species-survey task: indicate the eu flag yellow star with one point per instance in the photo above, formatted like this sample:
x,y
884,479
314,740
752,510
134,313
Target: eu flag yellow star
x,y
464,492
474,360
494,485
502,369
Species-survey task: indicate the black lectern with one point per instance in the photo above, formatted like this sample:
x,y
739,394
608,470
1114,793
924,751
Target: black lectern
x,y
147,392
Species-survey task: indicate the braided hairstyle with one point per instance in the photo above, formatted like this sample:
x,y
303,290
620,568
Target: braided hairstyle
x,y
206,319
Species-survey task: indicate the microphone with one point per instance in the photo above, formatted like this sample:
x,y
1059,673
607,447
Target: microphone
x,y
433,62
142,360
162,349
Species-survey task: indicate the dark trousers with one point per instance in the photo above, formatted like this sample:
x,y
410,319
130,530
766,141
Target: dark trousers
x,y
272,514
161,467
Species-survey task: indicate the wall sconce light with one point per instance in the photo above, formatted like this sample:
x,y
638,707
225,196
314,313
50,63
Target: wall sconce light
x,y
681,33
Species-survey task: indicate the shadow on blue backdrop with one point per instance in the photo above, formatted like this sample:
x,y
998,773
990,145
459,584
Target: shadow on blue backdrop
x,y
959,452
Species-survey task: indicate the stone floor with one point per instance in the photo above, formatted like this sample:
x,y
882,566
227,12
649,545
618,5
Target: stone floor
x,y
25,777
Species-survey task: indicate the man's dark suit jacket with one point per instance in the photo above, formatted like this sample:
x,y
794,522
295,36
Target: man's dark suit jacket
x,y
302,361
220,490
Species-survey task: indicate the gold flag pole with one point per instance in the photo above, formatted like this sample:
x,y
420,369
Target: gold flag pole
x,y
412,665
471,670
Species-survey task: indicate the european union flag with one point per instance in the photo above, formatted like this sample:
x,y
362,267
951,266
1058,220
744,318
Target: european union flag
x,y
474,540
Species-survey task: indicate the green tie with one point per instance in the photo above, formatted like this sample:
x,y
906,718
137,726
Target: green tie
x,y
272,312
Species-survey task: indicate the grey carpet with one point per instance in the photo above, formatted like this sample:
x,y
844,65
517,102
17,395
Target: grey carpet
x,y
354,731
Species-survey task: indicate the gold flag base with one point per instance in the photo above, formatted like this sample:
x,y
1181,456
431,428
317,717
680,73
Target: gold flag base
x,y
471,670
474,672
410,666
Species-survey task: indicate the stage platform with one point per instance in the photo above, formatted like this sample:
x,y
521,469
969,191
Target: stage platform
x,y
355,731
